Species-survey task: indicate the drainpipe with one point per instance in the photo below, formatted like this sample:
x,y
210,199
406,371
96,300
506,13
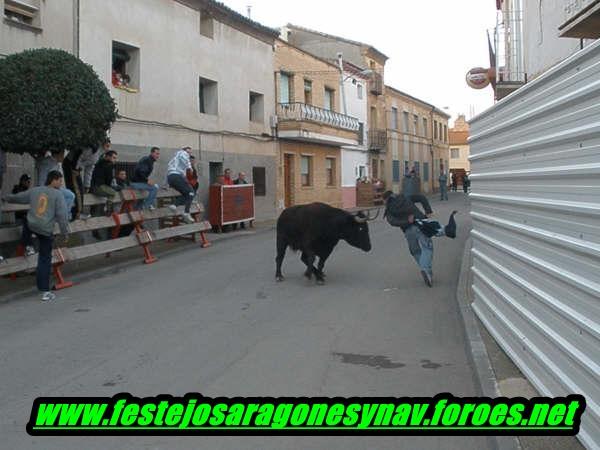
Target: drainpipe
x,y
342,90
76,27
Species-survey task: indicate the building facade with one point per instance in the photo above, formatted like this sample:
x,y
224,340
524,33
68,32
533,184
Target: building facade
x,y
364,57
417,134
310,127
29,24
459,148
355,159
200,76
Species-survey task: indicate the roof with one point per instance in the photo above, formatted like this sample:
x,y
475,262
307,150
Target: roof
x,y
458,137
355,71
227,15
338,38
298,49
435,109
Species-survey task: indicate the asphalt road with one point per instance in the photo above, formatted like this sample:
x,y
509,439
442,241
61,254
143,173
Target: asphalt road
x,y
214,321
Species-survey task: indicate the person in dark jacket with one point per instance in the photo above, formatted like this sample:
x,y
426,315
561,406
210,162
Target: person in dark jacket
x,y
24,185
102,179
401,211
73,180
240,180
141,178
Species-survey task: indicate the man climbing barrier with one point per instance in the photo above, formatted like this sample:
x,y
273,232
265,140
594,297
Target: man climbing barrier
x,y
418,228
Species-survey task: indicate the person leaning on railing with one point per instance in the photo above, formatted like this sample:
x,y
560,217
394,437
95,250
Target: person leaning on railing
x,y
46,208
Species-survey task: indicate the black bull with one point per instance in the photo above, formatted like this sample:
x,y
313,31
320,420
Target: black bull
x,y
315,230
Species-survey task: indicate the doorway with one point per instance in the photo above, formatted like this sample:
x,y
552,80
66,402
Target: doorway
x,y
288,180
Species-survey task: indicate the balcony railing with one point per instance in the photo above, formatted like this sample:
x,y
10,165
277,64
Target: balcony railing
x,y
302,111
376,84
377,140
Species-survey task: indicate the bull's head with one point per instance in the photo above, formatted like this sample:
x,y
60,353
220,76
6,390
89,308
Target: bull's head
x,y
356,230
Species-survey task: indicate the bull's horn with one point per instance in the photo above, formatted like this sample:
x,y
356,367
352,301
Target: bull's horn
x,y
370,219
361,219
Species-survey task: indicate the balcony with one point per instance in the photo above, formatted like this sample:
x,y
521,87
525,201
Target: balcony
x,y
376,84
377,140
302,122
508,37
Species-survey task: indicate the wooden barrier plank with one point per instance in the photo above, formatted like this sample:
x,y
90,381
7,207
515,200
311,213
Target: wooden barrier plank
x,y
19,264
93,200
97,223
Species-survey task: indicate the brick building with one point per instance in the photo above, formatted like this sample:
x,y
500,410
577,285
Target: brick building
x,y
459,148
310,128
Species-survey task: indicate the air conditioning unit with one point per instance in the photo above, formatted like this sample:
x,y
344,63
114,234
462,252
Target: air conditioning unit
x,y
273,121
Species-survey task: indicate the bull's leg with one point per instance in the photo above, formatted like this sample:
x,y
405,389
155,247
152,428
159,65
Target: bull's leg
x,y
281,248
322,259
308,258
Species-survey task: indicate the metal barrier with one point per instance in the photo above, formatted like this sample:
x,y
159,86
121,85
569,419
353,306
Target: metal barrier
x,y
535,159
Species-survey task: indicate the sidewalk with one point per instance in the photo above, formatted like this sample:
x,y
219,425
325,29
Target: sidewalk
x,y
103,266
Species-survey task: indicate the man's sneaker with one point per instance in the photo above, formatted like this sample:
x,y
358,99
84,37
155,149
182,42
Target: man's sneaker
x,y
152,207
29,251
48,296
187,218
84,216
427,278
173,208
450,229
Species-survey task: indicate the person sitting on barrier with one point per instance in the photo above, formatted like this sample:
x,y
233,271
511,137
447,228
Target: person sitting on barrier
x,y
176,177
192,175
102,180
141,175
46,207
121,181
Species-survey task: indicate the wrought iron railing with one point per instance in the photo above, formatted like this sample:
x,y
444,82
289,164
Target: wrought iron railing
x,y
377,139
302,111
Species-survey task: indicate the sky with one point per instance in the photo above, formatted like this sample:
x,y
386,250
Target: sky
x,y
431,43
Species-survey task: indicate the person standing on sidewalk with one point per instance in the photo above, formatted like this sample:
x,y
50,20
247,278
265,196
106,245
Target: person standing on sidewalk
x,y
141,174
443,179
176,177
46,207
401,211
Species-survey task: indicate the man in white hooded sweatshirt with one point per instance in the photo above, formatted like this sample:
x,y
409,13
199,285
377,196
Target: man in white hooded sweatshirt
x,y
176,177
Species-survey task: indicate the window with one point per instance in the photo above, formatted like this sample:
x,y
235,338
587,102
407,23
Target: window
x,y
329,99
257,107
308,92
416,124
361,133
454,153
306,170
330,171
396,171
359,91
259,178
405,120
22,11
417,168
435,129
406,167
445,133
125,66
425,130
440,135
362,171
394,123
425,171
206,24
285,88
374,168
382,169
208,96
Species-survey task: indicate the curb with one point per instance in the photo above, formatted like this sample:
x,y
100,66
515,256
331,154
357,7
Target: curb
x,y
483,372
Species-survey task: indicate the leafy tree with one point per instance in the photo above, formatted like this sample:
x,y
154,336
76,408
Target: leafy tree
x,y
50,100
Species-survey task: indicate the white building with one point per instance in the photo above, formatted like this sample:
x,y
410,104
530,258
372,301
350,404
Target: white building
x,y
355,160
200,75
